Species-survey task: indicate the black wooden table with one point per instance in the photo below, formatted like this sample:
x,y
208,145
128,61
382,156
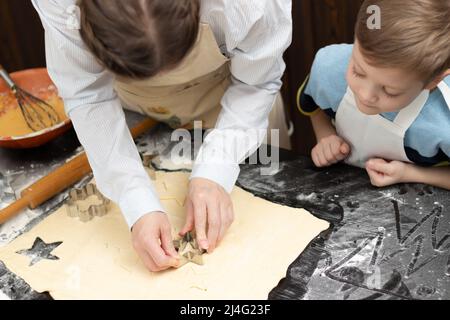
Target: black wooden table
x,y
390,243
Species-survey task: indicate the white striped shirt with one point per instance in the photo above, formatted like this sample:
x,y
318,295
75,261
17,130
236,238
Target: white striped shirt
x,y
253,33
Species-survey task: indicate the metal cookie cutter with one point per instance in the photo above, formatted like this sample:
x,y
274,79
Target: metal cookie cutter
x,y
78,195
189,250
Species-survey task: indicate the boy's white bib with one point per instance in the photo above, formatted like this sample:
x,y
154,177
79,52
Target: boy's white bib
x,y
373,136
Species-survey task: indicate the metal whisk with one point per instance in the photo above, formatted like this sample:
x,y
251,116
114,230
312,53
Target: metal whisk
x,y
37,113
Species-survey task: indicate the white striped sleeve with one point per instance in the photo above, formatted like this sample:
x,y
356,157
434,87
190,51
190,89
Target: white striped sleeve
x,y
255,35
97,115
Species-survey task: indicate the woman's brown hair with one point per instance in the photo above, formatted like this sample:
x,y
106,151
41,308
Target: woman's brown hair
x,y
139,38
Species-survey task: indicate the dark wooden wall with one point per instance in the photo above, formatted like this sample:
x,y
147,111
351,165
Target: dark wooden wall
x,y
21,36
317,23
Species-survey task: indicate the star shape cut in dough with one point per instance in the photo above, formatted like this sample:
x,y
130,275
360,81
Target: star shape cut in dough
x,y
40,251
189,250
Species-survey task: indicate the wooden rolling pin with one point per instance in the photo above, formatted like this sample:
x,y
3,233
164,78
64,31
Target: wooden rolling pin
x,y
60,179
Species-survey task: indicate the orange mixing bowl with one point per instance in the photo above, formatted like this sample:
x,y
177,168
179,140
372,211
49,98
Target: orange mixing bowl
x,y
32,80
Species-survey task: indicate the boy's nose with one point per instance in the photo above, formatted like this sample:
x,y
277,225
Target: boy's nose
x,y
368,97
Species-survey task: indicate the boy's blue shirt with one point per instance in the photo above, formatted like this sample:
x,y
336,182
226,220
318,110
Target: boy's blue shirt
x,y
427,141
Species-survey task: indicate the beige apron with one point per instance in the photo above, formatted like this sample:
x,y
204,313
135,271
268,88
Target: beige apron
x,y
192,91
373,136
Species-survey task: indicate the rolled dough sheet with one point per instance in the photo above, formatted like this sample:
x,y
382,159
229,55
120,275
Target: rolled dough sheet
x,y
97,261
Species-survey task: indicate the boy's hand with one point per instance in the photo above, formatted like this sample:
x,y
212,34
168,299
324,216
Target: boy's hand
x,y
329,151
152,240
383,173
209,209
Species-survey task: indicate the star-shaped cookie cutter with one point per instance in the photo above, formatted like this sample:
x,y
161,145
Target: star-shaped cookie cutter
x,y
189,250
78,195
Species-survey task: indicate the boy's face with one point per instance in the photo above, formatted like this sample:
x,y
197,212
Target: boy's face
x,y
379,90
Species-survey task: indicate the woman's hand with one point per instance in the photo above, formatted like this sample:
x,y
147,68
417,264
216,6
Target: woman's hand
x,y
152,240
210,211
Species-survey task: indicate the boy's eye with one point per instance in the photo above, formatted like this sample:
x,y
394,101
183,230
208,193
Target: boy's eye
x,y
392,96
356,74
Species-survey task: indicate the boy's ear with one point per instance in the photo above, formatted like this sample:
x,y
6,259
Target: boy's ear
x,y
438,80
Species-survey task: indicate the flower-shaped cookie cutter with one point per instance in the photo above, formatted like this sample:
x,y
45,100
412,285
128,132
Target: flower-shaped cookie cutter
x,y
77,196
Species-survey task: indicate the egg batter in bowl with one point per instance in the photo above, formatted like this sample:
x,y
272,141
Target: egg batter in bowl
x,y
14,131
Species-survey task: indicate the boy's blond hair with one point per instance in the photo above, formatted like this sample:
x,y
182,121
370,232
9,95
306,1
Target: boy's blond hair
x,y
414,36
